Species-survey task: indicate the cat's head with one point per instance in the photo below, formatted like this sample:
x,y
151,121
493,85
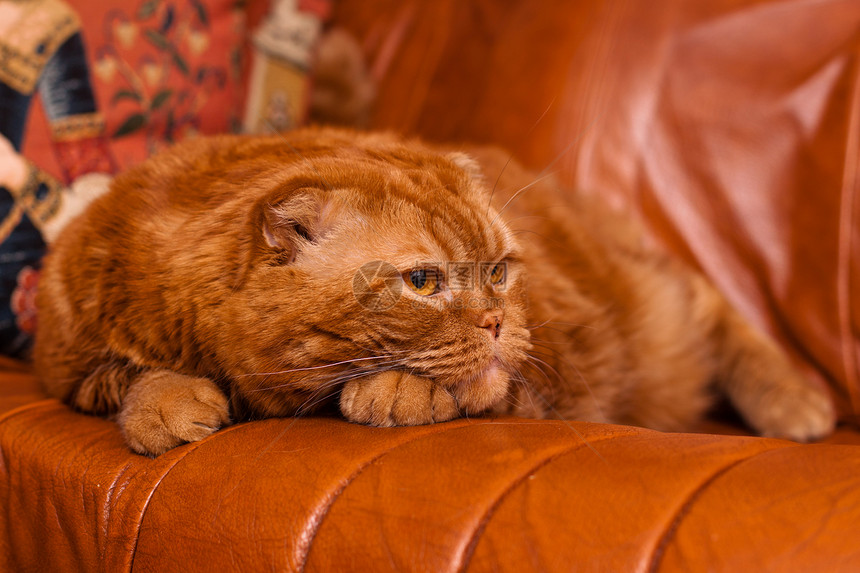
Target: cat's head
x,y
367,254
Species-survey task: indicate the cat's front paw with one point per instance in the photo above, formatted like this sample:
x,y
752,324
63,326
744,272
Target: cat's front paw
x,y
164,409
801,413
396,398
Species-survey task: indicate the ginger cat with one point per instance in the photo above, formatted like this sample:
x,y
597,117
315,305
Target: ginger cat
x,y
247,277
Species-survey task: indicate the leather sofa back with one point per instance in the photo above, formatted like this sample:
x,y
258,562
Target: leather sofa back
x,y
731,126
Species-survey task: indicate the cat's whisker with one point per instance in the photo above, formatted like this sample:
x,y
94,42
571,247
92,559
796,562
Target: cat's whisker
x,y
544,323
308,405
542,387
512,398
536,365
388,350
530,394
319,395
314,367
573,428
566,422
539,325
299,413
552,354
555,354
336,378
559,343
376,369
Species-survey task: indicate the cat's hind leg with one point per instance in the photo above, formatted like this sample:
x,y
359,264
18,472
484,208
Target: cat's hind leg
x,y
762,384
163,409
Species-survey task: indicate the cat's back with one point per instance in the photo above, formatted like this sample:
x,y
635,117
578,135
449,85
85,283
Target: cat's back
x,y
125,250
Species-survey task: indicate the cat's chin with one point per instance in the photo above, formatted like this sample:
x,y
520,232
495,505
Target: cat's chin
x,y
482,391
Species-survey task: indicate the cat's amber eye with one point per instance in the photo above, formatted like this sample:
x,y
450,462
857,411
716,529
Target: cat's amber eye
x,y
497,275
423,281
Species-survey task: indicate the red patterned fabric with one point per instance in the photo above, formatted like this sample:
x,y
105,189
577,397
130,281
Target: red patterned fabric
x,y
95,87
160,70
91,155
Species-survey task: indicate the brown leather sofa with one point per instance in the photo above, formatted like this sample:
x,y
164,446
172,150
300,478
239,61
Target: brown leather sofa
x,y
732,127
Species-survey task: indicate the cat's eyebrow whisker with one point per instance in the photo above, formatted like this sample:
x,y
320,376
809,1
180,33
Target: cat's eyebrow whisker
x,y
545,172
518,232
511,156
519,192
496,184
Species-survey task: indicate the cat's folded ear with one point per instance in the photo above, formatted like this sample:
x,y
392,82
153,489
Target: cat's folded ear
x,y
467,163
478,183
288,224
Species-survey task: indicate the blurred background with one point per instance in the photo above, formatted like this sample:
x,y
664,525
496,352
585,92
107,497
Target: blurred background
x,y
731,128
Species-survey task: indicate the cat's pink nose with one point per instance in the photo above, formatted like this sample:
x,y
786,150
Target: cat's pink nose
x,y
492,322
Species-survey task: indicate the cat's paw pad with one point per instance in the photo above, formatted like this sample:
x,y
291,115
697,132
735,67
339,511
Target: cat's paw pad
x,y
803,415
396,398
164,409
